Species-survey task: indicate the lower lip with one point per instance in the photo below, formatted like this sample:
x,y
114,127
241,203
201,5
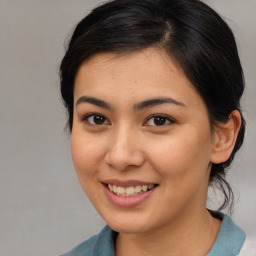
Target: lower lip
x,y
127,201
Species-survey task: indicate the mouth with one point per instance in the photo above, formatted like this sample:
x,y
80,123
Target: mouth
x,y
129,190
129,193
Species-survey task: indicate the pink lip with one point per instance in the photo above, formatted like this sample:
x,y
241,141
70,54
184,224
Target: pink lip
x,y
126,183
127,201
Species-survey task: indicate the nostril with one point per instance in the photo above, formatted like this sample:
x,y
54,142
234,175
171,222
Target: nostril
x,y
124,162
124,150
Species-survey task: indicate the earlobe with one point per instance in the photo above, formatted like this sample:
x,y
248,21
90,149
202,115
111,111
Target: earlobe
x,y
225,138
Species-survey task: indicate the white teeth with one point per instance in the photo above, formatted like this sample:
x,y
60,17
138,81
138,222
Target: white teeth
x,y
120,191
129,191
150,186
138,189
114,188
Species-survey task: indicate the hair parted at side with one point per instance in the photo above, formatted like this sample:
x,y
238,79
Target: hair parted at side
x,y
187,30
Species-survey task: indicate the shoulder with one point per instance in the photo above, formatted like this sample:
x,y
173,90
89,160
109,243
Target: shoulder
x,y
248,247
229,240
83,248
100,244
232,240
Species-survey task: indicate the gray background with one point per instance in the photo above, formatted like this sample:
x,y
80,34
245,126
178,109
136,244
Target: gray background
x,y
43,210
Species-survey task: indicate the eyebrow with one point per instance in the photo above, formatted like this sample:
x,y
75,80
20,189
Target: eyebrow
x,y
138,106
94,101
157,101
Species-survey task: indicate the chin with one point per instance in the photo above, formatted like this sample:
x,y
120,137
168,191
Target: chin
x,y
128,224
128,228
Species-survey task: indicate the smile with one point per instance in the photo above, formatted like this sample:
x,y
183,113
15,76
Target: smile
x,y
129,193
131,190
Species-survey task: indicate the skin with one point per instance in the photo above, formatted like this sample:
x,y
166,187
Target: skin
x,y
128,145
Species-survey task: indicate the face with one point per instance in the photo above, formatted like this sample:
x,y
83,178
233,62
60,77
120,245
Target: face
x,y
141,140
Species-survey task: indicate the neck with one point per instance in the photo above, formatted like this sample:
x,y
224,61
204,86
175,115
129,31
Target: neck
x,y
191,235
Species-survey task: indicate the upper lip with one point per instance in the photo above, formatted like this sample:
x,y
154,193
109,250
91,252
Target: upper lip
x,y
127,183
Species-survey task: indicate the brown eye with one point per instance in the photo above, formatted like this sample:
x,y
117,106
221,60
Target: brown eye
x,y
159,121
95,119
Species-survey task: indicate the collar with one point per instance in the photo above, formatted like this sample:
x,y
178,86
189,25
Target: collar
x,y
229,240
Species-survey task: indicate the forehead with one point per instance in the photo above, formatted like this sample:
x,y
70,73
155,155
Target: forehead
x,y
138,75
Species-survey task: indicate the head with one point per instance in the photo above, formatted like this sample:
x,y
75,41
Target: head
x,y
188,32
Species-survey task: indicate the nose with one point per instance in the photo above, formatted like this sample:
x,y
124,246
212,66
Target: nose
x,y
124,150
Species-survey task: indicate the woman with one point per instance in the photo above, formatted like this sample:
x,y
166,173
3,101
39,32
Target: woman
x,y
152,89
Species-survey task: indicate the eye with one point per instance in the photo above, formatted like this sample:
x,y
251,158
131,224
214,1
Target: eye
x,y
159,120
95,119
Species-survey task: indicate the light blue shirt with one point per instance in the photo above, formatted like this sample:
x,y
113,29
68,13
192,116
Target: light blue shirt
x,y
228,243
229,240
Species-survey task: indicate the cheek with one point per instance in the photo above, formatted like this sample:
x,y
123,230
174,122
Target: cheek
x,y
182,164
182,156
86,154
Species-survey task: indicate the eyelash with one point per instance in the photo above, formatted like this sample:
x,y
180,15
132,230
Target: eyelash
x,y
164,117
94,115
161,116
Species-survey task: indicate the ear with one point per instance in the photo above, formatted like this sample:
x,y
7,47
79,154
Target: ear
x,y
225,137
